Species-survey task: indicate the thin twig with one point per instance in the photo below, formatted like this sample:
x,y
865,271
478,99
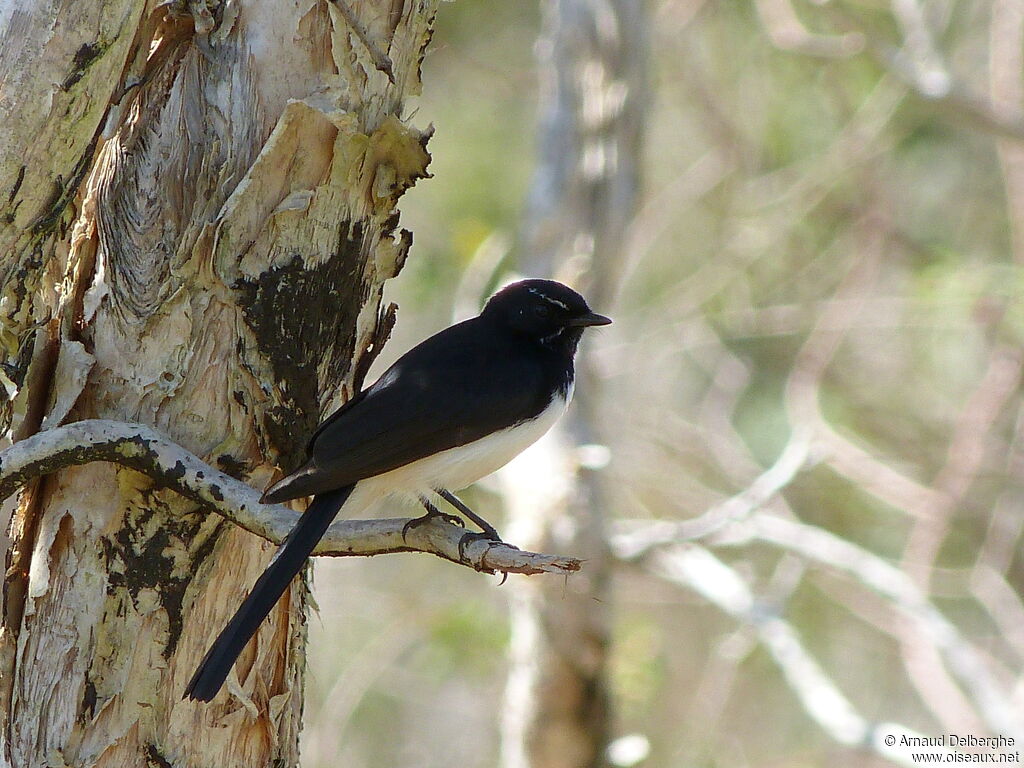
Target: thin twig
x,y
787,32
920,55
145,450
831,551
964,459
929,77
696,568
635,544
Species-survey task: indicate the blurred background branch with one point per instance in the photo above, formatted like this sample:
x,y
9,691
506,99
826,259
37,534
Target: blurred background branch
x,y
583,195
811,395
695,568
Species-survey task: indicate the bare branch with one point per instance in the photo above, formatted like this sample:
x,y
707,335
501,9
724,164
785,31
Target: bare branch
x,y
954,101
919,65
920,56
831,551
964,459
147,451
696,568
1006,94
788,33
795,456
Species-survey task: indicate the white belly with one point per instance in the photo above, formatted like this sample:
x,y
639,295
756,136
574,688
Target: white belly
x,y
457,467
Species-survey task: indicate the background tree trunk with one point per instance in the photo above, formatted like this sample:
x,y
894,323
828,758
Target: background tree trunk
x,y
199,215
584,193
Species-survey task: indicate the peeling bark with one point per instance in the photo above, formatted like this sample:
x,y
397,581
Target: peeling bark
x,y
197,217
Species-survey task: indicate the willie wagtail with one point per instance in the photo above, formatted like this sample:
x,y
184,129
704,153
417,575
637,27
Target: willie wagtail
x,y
453,409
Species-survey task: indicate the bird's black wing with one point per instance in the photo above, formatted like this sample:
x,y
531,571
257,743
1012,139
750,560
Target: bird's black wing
x,y
456,387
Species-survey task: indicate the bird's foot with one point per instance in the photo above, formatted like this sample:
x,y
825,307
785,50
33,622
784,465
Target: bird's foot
x,y
468,538
432,512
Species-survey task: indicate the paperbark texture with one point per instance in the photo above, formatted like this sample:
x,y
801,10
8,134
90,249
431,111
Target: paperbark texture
x,y
198,216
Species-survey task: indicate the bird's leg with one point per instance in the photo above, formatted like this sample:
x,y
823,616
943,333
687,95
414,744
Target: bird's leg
x,y
460,505
432,512
489,532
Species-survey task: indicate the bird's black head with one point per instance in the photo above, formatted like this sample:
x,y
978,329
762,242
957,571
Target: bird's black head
x,y
545,310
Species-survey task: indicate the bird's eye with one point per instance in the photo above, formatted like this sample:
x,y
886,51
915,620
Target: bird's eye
x,y
543,311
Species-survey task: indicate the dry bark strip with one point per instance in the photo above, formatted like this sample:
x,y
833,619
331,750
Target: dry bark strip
x,y
198,213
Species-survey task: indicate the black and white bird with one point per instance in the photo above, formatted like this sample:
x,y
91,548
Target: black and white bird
x,y
453,409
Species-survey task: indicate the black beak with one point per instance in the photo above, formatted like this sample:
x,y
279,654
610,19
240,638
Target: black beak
x,y
591,318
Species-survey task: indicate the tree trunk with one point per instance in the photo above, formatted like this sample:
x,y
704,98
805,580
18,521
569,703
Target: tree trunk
x,y
584,194
199,214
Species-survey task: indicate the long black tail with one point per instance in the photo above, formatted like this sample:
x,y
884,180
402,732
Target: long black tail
x,y
287,562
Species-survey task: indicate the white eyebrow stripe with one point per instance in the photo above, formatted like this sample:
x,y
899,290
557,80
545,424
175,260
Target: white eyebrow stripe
x,y
544,296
